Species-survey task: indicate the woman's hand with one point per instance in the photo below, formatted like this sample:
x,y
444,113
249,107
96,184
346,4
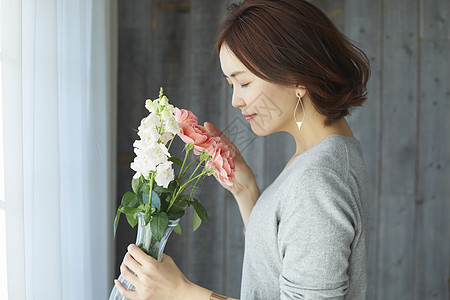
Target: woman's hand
x,y
153,279
244,177
244,188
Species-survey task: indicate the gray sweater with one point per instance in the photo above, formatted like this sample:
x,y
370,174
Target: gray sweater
x,y
306,237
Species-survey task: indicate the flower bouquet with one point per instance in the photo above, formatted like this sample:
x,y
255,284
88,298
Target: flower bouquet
x,y
160,196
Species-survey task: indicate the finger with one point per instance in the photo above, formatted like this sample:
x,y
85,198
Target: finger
x,y
220,181
213,130
131,263
166,258
216,132
127,275
139,256
123,291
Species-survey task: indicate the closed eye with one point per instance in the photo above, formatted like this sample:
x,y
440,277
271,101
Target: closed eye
x,y
242,85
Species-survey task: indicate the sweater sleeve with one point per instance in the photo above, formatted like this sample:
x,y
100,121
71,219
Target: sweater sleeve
x,y
315,232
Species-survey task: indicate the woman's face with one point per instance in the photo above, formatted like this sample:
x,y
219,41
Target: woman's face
x,y
268,107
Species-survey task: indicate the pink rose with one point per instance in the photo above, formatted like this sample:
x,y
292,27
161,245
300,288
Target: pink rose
x,y
222,162
196,135
185,116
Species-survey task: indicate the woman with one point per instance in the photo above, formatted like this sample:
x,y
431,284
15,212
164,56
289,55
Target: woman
x,y
306,234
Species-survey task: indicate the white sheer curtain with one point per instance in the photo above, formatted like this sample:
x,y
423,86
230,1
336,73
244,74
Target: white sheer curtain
x,y
58,66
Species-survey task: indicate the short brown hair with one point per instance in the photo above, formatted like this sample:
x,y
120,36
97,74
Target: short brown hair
x,y
292,42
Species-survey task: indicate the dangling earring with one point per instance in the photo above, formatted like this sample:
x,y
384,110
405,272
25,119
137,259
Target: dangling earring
x,y
299,124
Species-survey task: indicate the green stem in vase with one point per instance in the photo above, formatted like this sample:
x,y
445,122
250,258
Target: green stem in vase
x,y
198,166
184,161
151,190
152,251
192,190
187,168
181,188
170,144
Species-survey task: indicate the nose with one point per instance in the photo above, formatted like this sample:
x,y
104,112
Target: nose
x,y
236,100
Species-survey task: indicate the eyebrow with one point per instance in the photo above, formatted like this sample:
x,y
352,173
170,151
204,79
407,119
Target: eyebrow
x,y
234,74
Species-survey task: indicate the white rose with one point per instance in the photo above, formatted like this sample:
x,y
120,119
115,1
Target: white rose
x,y
164,174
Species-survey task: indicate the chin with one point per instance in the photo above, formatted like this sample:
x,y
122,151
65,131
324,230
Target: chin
x,y
261,131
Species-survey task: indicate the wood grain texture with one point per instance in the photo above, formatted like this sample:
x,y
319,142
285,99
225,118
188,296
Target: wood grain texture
x,y
131,88
398,150
167,63
207,255
362,24
404,129
435,20
432,259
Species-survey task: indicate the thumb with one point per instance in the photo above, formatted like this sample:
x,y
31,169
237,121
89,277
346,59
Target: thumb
x,y
212,129
216,132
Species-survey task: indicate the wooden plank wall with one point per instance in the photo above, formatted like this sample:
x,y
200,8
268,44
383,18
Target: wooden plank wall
x,y
404,129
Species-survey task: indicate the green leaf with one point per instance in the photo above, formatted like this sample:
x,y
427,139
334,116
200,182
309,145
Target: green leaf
x,y
116,220
144,193
172,186
176,212
130,199
147,217
196,221
200,210
130,210
132,219
165,203
136,184
176,160
160,190
159,224
182,198
156,201
177,229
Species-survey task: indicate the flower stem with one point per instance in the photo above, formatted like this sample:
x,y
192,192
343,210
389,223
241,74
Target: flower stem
x,y
151,190
184,161
195,171
170,144
181,189
192,190
187,168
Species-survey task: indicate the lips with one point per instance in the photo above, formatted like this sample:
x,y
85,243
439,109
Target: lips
x,y
249,117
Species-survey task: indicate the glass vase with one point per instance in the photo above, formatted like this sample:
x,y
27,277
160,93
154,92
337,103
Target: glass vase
x,y
149,245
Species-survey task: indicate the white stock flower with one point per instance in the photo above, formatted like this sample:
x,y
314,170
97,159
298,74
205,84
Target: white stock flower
x,y
166,137
172,126
152,120
168,111
156,153
142,165
148,135
151,106
164,174
164,101
151,153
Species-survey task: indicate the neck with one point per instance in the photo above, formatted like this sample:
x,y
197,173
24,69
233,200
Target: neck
x,y
313,130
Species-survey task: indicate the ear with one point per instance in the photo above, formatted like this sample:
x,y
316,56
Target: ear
x,y
300,91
